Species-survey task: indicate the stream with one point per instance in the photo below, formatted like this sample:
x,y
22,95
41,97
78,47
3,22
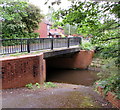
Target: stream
x,y
78,77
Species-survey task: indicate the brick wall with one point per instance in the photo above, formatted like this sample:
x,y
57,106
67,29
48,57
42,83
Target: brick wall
x,y
19,71
79,60
42,30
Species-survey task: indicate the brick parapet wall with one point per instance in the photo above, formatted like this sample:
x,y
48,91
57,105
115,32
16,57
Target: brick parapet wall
x,y
19,71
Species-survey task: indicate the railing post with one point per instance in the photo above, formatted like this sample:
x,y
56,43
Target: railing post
x,y
68,42
52,43
80,41
28,46
21,44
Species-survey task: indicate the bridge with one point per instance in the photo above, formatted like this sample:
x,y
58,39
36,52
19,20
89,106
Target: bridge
x,y
18,71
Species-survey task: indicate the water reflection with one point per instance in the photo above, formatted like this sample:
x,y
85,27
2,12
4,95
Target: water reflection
x,y
82,77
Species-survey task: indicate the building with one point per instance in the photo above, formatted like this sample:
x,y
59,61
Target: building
x,y
45,30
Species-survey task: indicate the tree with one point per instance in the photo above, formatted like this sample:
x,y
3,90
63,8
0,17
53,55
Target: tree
x,y
97,19
100,20
49,16
70,30
19,19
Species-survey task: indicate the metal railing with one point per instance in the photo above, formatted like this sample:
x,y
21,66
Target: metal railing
x,y
27,45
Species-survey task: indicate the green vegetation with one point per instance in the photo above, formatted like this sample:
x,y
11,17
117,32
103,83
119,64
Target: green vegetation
x,y
87,46
33,86
49,84
19,19
69,29
37,85
30,86
112,84
18,54
98,20
109,77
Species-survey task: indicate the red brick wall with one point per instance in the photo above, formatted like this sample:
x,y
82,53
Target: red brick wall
x,y
18,72
42,30
80,60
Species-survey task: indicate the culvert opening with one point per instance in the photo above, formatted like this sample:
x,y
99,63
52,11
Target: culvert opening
x,y
70,76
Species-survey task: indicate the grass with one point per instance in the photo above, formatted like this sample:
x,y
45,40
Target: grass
x,y
17,54
23,53
37,85
49,84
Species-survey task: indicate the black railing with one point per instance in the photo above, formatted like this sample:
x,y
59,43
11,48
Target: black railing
x,y
27,45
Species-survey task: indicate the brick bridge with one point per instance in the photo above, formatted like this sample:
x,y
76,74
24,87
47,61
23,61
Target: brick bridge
x,y
21,70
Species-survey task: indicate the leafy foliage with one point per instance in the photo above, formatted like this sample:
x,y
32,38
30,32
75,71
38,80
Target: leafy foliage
x,y
49,84
111,84
32,86
87,46
88,16
100,21
108,69
29,86
109,77
19,19
69,29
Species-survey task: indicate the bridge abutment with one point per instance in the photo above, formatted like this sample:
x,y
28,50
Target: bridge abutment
x,y
19,71
79,60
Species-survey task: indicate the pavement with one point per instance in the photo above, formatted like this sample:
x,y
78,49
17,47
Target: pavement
x,y
62,96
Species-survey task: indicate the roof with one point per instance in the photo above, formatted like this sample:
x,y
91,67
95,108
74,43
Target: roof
x,y
49,23
55,33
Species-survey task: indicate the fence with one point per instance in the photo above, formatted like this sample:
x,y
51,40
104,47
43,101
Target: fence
x,y
27,45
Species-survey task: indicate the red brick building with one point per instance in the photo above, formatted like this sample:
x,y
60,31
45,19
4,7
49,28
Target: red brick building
x,y
45,30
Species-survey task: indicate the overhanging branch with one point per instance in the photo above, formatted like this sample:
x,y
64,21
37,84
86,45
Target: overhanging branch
x,y
111,38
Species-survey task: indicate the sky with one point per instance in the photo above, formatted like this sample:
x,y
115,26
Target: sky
x,y
64,4
44,8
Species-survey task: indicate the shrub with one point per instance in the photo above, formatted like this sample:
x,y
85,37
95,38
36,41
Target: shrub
x,y
87,46
112,84
109,77
49,84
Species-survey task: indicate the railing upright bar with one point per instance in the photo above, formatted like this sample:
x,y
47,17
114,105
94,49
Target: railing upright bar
x,y
21,45
28,46
80,41
68,42
52,41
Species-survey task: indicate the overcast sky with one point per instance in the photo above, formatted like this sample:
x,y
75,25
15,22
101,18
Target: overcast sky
x,y
44,8
64,4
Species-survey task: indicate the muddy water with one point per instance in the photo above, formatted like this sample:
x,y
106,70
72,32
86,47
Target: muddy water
x,y
79,77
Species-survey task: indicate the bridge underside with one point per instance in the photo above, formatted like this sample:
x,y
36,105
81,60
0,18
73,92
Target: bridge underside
x,y
78,59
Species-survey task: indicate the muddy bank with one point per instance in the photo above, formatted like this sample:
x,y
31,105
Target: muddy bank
x,y
62,96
